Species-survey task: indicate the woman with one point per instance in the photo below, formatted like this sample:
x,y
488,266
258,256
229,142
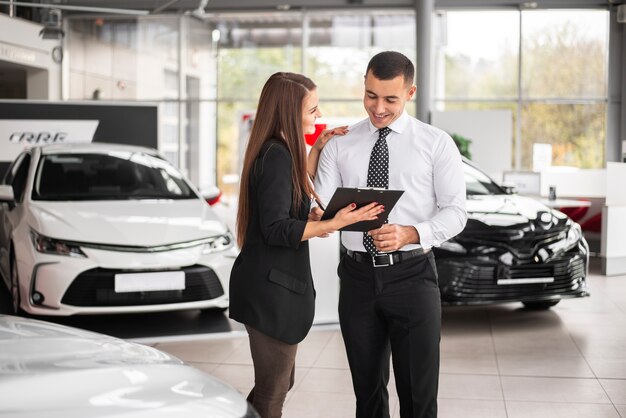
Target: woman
x,y
271,288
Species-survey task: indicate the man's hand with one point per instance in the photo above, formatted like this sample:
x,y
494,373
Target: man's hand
x,y
392,237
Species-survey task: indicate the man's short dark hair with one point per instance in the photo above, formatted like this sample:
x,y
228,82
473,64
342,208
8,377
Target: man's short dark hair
x,y
388,65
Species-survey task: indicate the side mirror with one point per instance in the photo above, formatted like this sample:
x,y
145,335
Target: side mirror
x,y
211,194
6,195
509,188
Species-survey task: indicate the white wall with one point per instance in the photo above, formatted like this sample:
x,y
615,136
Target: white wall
x,y
21,44
575,182
491,132
324,262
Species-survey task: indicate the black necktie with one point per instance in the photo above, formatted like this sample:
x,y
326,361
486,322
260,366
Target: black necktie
x,y
378,175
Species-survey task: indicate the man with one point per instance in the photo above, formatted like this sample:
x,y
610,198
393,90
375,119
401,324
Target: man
x,y
389,299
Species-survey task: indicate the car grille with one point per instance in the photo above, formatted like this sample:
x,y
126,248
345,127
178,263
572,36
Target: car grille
x,y
523,246
96,288
473,281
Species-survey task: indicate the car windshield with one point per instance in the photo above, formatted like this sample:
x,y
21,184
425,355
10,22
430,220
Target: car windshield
x,y
112,176
478,183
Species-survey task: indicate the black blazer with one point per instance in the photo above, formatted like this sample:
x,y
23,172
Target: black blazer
x,y
271,287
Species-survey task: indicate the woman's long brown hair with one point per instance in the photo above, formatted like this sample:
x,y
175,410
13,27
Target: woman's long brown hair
x,y
278,116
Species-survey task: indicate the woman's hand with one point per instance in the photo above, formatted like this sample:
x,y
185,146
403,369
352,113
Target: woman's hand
x,y
326,134
350,214
315,214
316,149
315,227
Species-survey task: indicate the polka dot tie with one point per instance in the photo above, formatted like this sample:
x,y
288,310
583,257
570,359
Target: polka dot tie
x,y
378,175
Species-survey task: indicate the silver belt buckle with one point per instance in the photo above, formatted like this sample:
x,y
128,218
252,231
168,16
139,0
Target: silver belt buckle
x,y
385,262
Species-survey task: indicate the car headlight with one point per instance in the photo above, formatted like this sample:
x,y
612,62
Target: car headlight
x,y
218,243
54,246
568,241
573,236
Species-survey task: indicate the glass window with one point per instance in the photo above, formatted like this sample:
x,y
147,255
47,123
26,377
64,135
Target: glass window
x,y
564,59
252,48
114,176
564,53
476,54
243,72
575,132
234,123
338,48
561,100
228,57
341,44
478,183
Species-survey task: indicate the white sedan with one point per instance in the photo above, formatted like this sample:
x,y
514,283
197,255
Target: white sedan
x,y
105,228
55,371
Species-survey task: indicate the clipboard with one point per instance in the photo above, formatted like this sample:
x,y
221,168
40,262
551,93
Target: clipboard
x,y
362,196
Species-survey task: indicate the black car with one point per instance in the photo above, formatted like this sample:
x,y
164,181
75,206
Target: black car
x,y
513,248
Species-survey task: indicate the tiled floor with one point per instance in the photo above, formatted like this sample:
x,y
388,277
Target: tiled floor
x,y
498,361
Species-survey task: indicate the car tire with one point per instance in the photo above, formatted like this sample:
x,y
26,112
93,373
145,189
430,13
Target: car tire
x,y
541,304
15,286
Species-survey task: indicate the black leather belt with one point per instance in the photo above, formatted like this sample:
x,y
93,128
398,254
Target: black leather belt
x,y
386,259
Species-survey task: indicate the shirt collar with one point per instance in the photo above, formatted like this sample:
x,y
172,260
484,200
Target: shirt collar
x,y
397,125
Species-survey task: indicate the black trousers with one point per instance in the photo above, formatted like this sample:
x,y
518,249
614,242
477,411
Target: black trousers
x,y
393,309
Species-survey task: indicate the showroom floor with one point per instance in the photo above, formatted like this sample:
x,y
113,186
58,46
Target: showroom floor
x,y
499,361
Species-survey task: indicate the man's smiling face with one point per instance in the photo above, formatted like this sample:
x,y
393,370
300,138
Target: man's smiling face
x,y
384,100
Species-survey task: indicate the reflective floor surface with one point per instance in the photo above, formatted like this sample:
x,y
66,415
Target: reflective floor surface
x,y
497,361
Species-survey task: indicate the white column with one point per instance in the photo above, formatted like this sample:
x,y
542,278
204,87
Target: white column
x,y
613,245
423,18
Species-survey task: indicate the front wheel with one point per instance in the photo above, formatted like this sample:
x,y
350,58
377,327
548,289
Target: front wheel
x,y
15,286
541,305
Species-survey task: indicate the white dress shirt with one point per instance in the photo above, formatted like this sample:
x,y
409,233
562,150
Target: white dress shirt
x,y
423,161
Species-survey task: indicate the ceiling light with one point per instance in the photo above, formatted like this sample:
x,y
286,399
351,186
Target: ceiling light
x,y
215,35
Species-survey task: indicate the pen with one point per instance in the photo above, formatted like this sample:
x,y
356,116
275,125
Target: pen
x,y
319,203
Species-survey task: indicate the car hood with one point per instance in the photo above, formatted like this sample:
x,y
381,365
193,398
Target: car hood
x,y
56,371
513,213
128,222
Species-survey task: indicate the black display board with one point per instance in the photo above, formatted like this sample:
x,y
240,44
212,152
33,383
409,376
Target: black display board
x,y
131,124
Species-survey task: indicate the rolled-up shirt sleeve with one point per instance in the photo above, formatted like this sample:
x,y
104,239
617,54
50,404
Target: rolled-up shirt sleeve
x,y
274,196
450,194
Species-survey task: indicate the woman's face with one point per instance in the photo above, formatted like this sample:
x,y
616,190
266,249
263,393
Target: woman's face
x,y
310,112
